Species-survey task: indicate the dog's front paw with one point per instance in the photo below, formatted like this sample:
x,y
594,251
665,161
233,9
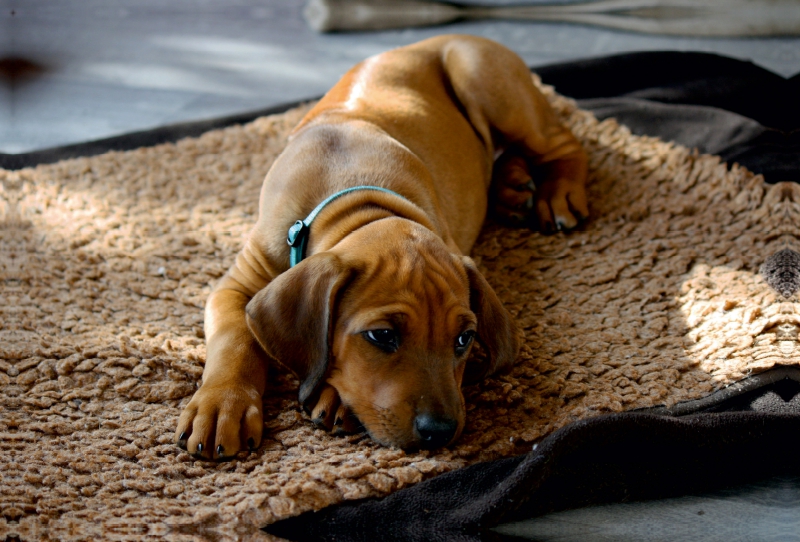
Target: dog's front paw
x,y
220,420
330,414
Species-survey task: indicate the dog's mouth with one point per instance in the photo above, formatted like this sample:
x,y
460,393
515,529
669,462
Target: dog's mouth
x,y
425,432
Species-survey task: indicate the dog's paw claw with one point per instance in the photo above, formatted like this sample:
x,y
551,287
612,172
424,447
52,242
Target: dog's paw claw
x,y
524,186
221,456
319,420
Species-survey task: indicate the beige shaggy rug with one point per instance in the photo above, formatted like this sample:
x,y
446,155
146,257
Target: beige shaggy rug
x,y
107,261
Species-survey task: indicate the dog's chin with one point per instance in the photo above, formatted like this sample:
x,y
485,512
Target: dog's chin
x,y
393,441
409,444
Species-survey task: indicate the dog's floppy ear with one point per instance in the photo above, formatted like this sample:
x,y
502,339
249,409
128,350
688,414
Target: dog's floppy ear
x,y
292,317
497,331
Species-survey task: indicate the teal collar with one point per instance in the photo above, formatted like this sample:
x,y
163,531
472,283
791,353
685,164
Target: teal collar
x,y
300,230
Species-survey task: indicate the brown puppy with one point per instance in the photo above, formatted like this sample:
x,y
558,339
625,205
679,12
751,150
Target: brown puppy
x,y
378,320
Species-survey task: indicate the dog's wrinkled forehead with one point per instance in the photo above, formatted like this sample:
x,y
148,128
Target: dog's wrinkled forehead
x,y
415,271
439,280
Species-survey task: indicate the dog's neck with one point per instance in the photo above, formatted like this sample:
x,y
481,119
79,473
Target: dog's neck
x,y
343,217
298,234
350,154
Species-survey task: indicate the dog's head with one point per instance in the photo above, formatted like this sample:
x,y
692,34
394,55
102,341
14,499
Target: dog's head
x,y
388,319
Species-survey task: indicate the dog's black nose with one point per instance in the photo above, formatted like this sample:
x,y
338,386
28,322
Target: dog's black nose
x,y
434,432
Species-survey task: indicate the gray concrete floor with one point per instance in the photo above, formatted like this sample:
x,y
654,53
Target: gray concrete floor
x,y
763,512
111,67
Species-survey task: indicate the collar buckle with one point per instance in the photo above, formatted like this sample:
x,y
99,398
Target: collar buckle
x,y
296,233
297,236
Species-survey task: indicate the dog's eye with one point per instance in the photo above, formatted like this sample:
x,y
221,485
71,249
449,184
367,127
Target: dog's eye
x,y
385,339
463,341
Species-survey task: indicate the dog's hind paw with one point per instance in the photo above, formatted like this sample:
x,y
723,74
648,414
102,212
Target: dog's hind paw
x,y
551,203
513,191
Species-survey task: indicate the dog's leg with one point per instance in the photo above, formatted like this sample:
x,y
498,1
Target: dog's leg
x,y
226,414
495,88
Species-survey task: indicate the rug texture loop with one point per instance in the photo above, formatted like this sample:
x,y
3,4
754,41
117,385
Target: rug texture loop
x,y
107,261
